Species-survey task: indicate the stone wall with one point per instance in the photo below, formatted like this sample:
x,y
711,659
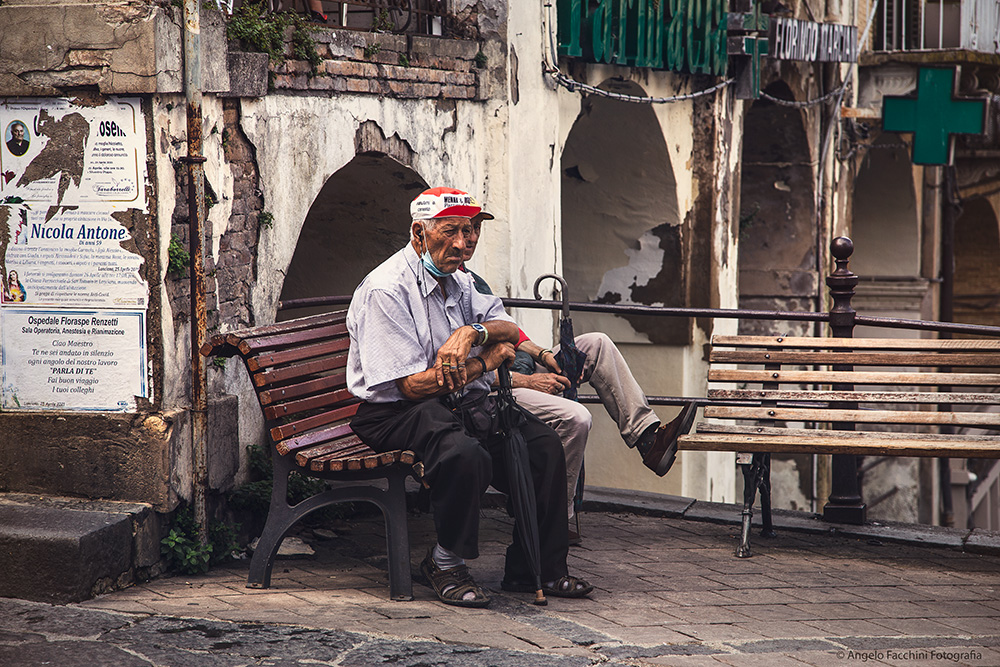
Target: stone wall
x,y
402,66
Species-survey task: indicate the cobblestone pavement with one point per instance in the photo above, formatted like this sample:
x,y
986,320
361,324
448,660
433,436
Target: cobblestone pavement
x,y
669,592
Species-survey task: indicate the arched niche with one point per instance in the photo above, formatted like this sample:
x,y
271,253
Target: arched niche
x,y
885,224
621,231
778,227
358,219
977,264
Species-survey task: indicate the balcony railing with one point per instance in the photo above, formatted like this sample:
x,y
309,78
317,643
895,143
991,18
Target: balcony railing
x,y
915,25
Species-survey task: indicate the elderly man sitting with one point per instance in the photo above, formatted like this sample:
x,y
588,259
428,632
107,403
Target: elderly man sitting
x,y
538,381
424,345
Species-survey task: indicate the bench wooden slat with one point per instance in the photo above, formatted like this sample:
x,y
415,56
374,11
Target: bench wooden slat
x,y
284,340
810,357
854,377
314,421
291,355
314,438
743,429
932,397
978,419
292,391
277,374
292,408
857,343
220,340
859,442
345,448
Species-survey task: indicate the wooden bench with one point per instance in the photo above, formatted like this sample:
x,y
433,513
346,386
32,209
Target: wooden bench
x,y
297,369
862,396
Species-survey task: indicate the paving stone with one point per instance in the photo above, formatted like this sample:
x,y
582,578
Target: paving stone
x,y
69,654
897,609
782,630
717,632
959,608
831,611
916,626
692,605
772,612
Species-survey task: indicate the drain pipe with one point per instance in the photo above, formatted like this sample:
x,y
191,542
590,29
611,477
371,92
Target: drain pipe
x,y
196,215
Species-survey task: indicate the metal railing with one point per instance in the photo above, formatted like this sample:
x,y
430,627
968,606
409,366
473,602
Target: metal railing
x,y
913,25
845,497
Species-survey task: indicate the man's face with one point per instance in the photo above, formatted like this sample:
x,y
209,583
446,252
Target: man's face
x,y
17,132
446,242
472,240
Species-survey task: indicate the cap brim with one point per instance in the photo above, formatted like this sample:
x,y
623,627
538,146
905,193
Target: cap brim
x,y
459,212
484,215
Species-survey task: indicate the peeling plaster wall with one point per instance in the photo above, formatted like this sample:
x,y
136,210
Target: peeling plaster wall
x,y
302,141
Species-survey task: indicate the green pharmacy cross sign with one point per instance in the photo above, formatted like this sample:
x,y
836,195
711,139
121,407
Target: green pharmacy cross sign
x,y
933,116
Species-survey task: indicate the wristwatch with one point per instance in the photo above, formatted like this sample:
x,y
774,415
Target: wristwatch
x,y
483,334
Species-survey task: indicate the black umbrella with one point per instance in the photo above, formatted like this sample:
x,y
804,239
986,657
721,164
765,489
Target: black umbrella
x,y
569,358
521,486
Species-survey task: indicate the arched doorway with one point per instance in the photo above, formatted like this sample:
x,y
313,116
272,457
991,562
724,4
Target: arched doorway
x,y
777,248
886,230
778,227
623,242
977,264
358,219
885,224
621,230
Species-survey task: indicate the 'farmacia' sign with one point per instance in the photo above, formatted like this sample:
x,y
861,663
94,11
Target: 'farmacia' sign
x,y
679,35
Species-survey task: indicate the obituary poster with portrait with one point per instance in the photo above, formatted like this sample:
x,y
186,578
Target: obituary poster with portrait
x,y
73,300
80,257
85,360
57,152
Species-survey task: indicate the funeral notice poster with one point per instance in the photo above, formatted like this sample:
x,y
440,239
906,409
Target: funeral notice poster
x,y
59,153
91,360
74,298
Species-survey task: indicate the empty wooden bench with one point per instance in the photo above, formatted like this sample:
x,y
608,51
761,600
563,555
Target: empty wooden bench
x,y
297,369
863,396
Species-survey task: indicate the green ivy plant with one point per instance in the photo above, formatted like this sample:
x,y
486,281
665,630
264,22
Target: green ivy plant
x,y
263,31
178,259
184,551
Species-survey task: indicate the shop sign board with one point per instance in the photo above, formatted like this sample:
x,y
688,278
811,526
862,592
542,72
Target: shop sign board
x,y
791,39
677,35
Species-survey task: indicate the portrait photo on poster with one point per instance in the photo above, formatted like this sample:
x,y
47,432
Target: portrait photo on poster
x,y
17,137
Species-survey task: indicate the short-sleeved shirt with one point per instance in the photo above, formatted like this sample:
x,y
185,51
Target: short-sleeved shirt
x,y
399,318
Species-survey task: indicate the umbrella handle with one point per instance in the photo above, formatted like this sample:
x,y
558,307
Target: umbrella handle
x,y
565,291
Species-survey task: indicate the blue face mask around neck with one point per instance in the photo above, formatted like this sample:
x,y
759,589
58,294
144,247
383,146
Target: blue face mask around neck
x,y
429,264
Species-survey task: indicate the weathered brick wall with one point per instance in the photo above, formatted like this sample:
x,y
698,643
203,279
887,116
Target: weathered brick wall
x,y
235,271
401,66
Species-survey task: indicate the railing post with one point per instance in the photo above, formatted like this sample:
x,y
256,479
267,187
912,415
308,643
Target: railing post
x,y
845,504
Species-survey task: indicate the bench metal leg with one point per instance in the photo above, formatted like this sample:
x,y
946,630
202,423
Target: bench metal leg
x,y
764,484
756,475
749,493
281,517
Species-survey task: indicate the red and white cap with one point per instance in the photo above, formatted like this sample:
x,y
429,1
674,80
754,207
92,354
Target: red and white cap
x,y
444,203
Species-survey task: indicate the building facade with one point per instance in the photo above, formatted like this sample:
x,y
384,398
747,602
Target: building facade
x,y
621,148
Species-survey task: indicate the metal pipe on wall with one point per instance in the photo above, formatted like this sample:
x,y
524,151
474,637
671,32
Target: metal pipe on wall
x,y
196,215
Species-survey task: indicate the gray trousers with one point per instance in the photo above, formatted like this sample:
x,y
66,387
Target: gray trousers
x,y
623,398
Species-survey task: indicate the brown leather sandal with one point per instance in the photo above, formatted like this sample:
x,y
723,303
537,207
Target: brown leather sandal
x,y
565,587
452,585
